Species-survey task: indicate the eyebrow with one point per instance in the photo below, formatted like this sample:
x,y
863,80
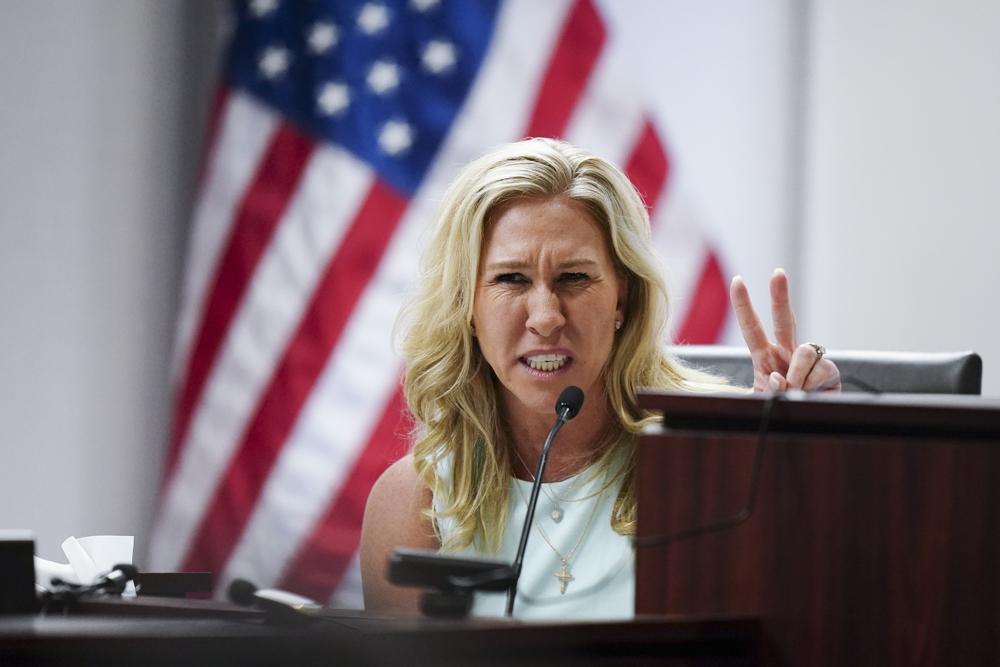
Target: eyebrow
x,y
517,265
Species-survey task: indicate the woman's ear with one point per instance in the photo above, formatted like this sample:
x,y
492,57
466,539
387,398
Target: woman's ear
x,y
622,297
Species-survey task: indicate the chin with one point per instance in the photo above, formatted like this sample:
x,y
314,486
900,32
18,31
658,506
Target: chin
x,y
543,401
533,400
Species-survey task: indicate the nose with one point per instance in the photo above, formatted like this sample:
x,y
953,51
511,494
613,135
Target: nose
x,y
545,313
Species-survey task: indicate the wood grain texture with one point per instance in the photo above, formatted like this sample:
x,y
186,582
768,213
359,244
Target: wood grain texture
x,y
861,549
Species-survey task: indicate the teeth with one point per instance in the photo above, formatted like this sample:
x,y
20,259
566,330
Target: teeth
x,y
547,362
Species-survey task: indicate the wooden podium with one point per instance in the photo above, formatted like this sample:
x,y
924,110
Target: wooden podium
x,y
875,531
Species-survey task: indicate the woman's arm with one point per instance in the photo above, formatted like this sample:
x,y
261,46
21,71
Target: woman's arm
x,y
394,517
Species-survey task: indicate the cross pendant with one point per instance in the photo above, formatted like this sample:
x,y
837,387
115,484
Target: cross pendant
x,y
564,577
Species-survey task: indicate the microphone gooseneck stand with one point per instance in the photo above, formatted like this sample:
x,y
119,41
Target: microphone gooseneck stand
x,y
567,406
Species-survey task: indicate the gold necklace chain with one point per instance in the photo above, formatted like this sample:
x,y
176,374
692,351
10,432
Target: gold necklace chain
x,y
557,512
564,575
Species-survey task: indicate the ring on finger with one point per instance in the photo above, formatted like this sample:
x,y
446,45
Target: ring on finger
x,y
820,350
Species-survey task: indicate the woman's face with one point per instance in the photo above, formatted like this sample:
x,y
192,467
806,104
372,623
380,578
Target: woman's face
x,y
547,297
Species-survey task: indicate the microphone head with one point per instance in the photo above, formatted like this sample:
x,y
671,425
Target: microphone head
x,y
569,402
242,592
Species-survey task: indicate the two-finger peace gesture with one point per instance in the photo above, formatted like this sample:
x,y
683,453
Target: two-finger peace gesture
x,y
782,364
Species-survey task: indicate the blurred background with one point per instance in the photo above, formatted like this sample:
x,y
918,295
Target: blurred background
x,y
854,143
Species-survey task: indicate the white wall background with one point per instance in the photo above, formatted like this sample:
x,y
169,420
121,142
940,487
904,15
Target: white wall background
x,y
903,206
856,144
723,79
99,132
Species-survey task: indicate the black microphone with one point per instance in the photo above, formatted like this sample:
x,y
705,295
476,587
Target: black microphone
x,y
569,403
284,606
567,406
241,592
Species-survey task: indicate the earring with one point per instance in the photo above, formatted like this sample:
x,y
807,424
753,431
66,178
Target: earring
x,y
618,325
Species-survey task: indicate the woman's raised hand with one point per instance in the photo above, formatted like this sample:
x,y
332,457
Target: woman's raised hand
x,y
782,364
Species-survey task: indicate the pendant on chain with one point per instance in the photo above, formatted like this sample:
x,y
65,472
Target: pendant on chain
x,y
564,576
556,513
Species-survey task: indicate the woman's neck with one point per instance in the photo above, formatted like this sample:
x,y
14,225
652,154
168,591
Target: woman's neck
x,y
574,448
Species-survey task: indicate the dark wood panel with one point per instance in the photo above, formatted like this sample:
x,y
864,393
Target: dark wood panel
x,y
861,550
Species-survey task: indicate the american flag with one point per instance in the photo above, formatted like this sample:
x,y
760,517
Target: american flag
x,y
334,132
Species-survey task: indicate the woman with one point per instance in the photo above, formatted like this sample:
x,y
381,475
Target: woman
x,y
540,275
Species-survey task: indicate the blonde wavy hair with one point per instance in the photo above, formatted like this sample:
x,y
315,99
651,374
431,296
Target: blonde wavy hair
x,y
452,391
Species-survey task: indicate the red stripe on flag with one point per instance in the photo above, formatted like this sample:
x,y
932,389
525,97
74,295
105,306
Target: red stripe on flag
x,y
326,316
709,306
323,558
262,207
648,166
576,52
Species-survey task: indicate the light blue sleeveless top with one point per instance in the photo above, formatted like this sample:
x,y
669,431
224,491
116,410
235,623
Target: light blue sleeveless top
x,y
600,561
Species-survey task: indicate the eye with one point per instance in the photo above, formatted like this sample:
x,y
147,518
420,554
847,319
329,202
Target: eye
x,y
574,277
510,279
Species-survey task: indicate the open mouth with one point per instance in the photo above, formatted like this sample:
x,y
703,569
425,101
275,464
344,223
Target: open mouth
x,y
546,363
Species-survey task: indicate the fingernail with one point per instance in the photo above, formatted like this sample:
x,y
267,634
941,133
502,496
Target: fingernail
x,y
774,381
779,271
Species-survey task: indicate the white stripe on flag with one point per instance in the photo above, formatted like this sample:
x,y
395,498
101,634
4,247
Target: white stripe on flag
x,y
363,370
610,115
678,238
503,96
349,594
608,123
306,238
245,129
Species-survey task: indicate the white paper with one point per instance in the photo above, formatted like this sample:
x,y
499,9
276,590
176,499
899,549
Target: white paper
x,y
83,565
106,551
46,570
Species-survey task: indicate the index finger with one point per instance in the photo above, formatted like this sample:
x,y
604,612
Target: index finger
x,y
750,326
781,311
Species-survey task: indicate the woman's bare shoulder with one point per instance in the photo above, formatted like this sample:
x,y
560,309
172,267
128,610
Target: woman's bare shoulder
x,y
395,516
401,478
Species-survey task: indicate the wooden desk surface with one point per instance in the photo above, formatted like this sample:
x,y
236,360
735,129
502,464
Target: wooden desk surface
x,y
205,633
